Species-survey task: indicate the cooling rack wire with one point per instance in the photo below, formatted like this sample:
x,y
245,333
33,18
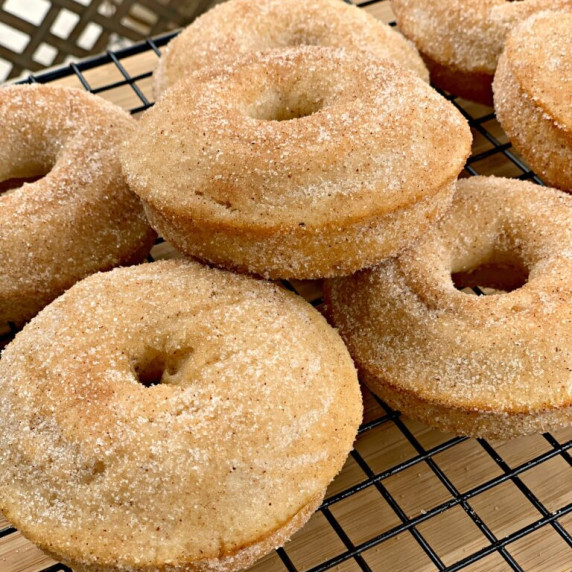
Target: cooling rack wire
x,y
409,499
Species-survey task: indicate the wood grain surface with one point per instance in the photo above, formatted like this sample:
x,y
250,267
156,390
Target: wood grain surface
x,y
402,471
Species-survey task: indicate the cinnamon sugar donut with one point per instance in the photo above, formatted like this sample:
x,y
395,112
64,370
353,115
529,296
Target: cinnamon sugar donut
x,y
172,417
80,217
238,27
303,162
493,366
533,95
461,40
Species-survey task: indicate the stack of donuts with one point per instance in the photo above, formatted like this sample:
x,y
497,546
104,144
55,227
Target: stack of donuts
x,y
525,47
186,415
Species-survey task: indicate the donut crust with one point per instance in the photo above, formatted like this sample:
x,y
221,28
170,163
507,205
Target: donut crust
x,y
461,40
107,470
241,558
533,91
272,257
496,366
366,147
80,217
238,27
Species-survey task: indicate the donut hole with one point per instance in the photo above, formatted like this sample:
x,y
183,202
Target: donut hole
x,y
501,274
10,185
151,372
26,170
278,105
157,367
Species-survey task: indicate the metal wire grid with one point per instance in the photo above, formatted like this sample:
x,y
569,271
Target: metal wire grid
x,y
483,126
102,20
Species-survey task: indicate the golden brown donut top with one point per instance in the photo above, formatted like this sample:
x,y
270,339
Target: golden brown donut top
x,y
238,27
539,52
256,411
466,34
304,136
405,322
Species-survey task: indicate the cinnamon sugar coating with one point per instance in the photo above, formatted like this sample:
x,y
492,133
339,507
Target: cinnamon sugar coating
x,y
533,95
306,162
461,40
80,217
256,410
494,366
238,27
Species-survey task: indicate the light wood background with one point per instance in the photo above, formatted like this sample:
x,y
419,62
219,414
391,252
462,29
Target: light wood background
x,y
418,492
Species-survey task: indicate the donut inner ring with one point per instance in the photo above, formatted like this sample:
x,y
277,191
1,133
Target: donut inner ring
x,y
282,96
497,263
504,251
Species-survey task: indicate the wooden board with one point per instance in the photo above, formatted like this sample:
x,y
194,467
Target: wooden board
x,y
406,486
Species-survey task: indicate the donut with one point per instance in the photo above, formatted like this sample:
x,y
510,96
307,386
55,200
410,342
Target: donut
x,y
239,27
533,95
79,217
172,417
297,163
461,40
494,366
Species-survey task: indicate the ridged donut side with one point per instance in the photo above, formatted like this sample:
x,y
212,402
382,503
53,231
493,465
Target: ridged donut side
x,y
239,560
545,145
305,253
541,134
469,421
474,86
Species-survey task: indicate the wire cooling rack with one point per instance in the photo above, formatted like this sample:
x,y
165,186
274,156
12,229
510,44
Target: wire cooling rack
x,y
409,498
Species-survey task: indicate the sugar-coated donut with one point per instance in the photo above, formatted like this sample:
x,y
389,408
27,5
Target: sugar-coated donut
x,y
533,94
461,40
493,366
238,27
304,162
108,470
80,217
